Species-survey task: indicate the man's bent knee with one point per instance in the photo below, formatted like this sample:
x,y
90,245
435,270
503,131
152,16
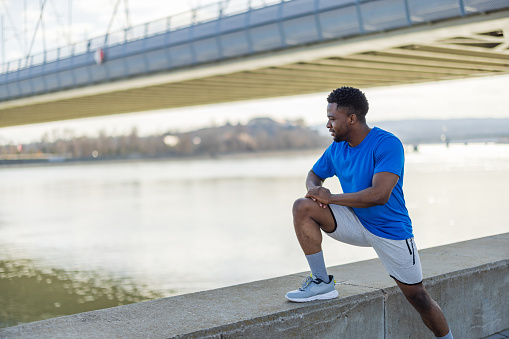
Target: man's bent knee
x,y
303,207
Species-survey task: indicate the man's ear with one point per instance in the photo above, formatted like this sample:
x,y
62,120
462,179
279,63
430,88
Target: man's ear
x,y
352,118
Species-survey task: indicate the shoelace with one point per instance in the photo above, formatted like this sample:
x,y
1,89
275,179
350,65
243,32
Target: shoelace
x,y
305,282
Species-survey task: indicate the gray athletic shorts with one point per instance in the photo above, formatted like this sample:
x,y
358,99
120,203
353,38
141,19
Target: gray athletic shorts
x,y
399,257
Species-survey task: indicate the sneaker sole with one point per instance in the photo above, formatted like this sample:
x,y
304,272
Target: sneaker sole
x,y
325,296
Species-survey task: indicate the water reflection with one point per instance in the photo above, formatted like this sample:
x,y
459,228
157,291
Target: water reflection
x,y
177,227
30,293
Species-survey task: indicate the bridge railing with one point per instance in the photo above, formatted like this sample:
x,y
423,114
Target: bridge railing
x,y
416,11
195,16
229,29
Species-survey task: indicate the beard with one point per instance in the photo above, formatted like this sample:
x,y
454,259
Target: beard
x,y
339,137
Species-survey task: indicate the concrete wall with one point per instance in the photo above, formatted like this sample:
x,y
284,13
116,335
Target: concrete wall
x,y
470,280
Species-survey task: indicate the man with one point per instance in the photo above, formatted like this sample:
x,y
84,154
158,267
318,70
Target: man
x,y
369,163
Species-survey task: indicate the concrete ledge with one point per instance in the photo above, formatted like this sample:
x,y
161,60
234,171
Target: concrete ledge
x,y
470,280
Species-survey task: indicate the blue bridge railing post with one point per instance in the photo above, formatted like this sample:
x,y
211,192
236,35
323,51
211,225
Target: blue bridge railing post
x,y
359,17
462,7
317,20
280,23
407,13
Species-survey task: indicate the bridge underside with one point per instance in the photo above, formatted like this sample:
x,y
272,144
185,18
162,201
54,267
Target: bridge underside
x,y
461,48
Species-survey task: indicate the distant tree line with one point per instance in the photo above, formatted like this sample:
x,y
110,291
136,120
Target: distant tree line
x,y
260,134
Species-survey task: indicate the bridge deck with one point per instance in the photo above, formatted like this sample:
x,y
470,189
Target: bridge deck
x,y
293,47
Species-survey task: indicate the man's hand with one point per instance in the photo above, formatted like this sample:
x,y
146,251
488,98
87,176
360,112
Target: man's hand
x,y
319,194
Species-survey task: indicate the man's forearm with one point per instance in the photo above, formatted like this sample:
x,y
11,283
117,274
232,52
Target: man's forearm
x,y
313,180
362,199
377,194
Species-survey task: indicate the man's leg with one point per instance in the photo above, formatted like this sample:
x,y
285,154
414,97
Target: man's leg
x,y
401,260
308,220
430,312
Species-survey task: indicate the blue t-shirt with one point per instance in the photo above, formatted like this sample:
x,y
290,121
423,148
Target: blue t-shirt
x,y
380,151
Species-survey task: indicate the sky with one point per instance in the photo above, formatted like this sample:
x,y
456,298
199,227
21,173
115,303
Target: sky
x,y
484,97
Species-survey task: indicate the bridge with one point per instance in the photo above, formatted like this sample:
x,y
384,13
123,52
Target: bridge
x,y
236,50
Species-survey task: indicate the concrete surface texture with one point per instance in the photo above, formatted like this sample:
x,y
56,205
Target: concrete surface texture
x,y
500,335
470,280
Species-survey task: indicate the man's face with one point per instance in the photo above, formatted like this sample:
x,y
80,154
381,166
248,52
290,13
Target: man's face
x,y
338,122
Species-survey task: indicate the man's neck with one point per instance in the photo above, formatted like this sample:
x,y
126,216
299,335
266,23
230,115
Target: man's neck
x,y
359,134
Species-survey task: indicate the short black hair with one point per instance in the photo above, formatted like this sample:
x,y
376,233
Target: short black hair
x,y
352,99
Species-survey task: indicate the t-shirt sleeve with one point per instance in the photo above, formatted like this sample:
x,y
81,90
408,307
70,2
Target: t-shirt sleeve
x,y
324,167
390,156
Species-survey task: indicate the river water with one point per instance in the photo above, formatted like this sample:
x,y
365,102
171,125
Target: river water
x,y
80,237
